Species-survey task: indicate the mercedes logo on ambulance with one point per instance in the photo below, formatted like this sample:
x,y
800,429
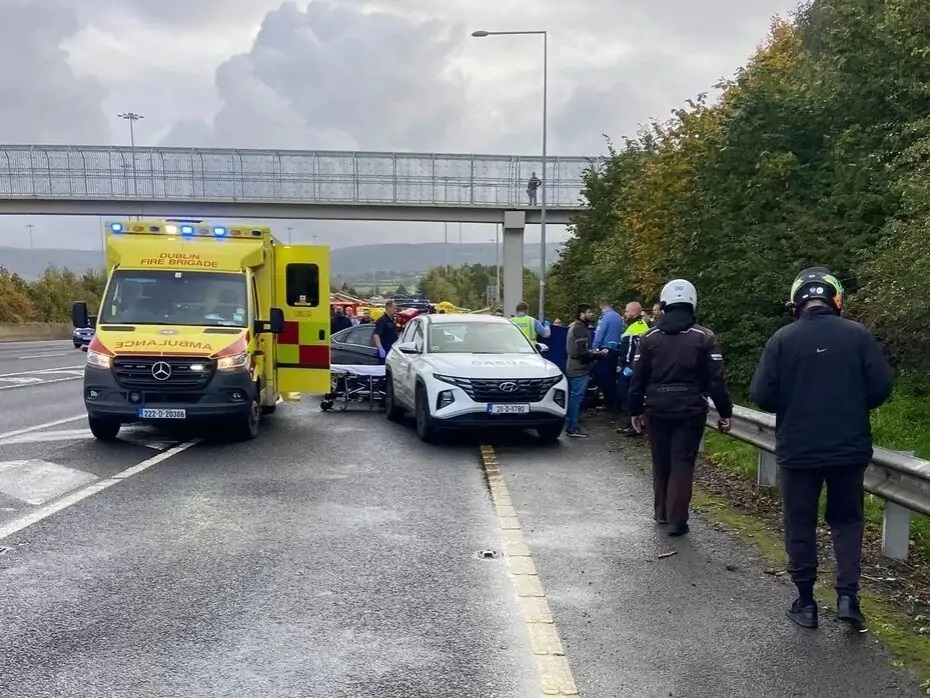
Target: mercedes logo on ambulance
x,y
161,371
507,387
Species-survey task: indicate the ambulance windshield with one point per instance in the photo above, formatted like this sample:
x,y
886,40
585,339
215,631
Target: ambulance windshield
x,y
193,298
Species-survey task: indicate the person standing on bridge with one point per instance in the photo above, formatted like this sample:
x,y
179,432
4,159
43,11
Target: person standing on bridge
x,y
821,376
532,328
531,188
677,364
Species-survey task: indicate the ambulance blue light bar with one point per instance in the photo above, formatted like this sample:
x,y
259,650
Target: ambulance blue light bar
x,y
185,229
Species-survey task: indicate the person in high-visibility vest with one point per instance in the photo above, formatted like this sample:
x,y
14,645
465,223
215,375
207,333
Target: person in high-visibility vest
x,y
636,327
530,326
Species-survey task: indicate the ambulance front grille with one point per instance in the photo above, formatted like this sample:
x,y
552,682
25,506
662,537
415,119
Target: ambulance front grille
x,y
163,373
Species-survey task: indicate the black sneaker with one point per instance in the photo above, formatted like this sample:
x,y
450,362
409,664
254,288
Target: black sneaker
x,y
848,611
676,530
804,613
576,434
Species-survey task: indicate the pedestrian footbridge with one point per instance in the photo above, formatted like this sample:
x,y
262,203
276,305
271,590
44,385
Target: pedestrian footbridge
x,y
72,180
333,185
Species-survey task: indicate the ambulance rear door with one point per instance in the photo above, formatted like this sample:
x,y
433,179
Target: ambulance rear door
x,y
301,288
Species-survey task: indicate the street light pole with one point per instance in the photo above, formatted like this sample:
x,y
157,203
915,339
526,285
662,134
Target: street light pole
x,y
545,183
132,117
32,244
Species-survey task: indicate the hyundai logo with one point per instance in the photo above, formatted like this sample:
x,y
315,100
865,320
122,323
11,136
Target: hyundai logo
x,y
507,387
161,371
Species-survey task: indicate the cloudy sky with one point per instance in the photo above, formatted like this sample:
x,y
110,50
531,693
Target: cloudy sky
x,y
383,75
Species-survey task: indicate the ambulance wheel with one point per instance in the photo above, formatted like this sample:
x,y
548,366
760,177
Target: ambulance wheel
x,y
248,425
393,411
269,409
103,430
425,429
326,405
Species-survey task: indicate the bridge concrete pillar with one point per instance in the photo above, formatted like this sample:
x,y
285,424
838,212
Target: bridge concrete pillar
x,y
512,275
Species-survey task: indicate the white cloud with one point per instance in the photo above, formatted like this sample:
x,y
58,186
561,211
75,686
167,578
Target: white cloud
x,y
43,99
361,74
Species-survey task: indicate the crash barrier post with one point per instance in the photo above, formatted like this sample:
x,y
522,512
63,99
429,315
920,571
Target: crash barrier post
x,y
897,477
26,331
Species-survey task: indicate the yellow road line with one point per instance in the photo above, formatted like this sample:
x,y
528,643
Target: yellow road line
x,y
555,674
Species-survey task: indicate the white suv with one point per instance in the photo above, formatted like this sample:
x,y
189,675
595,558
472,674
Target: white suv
x,y
473,372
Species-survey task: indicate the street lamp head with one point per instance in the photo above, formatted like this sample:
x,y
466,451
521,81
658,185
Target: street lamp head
x,y
480,33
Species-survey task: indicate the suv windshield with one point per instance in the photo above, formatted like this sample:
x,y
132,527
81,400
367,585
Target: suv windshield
x,y
175,298
478,338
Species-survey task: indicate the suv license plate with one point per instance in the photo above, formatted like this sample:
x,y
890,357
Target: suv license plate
x,y
149,413
508,409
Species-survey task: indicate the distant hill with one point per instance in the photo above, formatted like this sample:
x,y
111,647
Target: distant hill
x,y
352,263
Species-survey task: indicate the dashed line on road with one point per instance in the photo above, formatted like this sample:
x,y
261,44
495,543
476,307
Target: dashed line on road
x,y
43,356
40,427
17,525
555,674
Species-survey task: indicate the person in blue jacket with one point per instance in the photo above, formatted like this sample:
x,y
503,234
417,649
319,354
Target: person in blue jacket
x,y
606,346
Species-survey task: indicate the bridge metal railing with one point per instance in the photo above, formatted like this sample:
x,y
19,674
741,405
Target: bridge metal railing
x,y
898,478
324,177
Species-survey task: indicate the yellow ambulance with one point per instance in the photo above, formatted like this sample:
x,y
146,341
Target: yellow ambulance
x,y
204,323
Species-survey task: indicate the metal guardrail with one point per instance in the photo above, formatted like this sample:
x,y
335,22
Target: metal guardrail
x,y
325,177
898,478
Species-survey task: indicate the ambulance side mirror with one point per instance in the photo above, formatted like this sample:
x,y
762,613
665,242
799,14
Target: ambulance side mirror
x,y
79,316
276,321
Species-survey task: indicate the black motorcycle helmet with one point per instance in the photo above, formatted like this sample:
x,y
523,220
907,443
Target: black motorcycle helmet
x,y
816,283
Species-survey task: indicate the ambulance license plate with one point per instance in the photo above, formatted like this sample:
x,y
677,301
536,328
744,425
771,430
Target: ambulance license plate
x,y
151,413
508,409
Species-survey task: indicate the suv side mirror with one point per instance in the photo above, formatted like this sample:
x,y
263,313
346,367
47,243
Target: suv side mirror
x,y
79,317
407,348
542,348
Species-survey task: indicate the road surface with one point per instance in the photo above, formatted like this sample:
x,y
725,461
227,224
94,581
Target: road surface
x,y
337,556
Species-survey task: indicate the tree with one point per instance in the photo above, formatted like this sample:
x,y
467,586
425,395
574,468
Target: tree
x,y
817,152
401,290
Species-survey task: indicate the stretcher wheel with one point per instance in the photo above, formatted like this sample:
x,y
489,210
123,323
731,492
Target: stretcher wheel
x,y
326,405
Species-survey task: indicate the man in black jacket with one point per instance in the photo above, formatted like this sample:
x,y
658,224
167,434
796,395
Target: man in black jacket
x,y
821,375
677,364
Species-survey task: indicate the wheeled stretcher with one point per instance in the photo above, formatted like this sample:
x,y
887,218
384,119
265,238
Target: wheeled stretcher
x,y
354,384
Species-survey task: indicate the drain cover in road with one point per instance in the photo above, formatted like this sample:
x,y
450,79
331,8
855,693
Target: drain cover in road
x,y
37,481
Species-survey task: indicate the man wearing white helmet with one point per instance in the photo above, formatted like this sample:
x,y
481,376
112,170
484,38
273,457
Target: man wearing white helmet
x,y
677,365
821,375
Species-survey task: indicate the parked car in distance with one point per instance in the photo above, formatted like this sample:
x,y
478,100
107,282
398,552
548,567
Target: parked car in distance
x,y
81,337
353,346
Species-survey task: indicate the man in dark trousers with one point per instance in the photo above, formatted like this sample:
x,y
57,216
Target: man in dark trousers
x,y
821,375
677,364
385,333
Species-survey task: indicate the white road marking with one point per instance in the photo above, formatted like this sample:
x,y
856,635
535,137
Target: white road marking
x,y
39,427
39,384
43,356
68,500
38,481
139,437
43,371
22,380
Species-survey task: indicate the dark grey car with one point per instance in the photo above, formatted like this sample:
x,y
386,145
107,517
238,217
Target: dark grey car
x,y
354,346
